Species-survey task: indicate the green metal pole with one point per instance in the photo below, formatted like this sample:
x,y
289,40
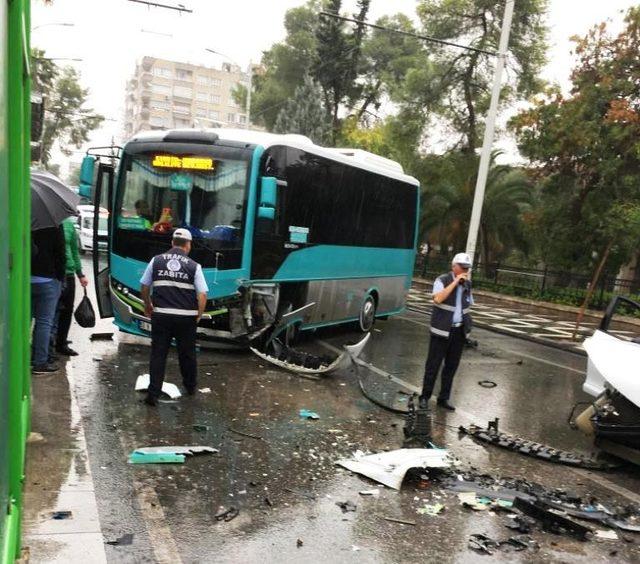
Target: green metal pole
x,y
19,128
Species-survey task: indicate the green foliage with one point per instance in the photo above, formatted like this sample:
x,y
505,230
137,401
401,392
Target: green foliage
x,y
456,85
67,121
586,148
304,113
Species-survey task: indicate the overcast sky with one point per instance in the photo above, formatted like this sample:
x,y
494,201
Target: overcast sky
x,y
110,36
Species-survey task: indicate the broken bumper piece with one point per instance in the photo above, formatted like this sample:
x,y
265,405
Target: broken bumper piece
x,y
167,454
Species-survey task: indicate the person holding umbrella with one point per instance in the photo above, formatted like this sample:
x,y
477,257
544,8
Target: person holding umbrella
x,y
51,203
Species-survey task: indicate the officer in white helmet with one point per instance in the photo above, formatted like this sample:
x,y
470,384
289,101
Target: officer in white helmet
x,y
450,324
175,295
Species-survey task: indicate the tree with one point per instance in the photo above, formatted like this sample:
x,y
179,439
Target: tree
x,y
305,113
457,84
586,147
67,120
448,189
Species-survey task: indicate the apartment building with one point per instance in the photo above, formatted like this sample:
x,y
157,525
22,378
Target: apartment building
x,y
168,94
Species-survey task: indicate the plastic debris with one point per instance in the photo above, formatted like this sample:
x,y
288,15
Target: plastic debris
x,y
606,535
306,414
166,454
470,500
346,506
142,385
60,515
124,540
204,390
227,514
390,468
299,543
487,383
201,427
552,522
101,336
432,510
401,521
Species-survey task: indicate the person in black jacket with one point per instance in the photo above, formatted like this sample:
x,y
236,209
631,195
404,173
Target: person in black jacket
x,y
48,266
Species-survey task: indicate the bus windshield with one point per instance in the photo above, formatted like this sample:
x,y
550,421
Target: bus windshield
x,y
158,193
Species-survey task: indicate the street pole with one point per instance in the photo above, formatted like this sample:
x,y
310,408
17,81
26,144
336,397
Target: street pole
x,y
485,156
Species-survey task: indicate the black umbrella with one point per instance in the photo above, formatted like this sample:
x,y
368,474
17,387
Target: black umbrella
x,y
51,200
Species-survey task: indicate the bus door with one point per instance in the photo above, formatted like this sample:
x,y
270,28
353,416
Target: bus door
x,y
103,197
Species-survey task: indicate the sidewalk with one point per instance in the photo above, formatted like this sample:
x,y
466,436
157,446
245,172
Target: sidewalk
x,y
540,322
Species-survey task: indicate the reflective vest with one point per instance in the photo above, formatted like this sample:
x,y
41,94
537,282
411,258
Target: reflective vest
x,y
173,288
442,313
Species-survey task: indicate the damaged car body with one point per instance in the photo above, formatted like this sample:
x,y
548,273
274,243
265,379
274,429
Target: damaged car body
x,y
279,225
613,418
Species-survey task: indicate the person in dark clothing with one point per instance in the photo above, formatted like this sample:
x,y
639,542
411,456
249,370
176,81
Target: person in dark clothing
x,y
175,295
64,313
450,323
47,274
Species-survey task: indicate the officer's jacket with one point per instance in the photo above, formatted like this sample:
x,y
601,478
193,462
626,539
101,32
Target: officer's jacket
x,y
173,276
442,313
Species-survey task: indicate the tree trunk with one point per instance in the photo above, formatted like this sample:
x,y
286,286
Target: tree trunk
x,y
592,288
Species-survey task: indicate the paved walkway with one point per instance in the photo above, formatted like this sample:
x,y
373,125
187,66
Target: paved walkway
x,y
541,325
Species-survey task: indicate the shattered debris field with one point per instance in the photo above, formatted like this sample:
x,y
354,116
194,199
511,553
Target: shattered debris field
x,y
272,491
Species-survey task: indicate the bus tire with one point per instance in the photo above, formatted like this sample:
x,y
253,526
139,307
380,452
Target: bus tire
x,y
367,316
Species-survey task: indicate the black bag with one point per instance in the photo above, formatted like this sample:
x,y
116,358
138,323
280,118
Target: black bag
x,y
84,314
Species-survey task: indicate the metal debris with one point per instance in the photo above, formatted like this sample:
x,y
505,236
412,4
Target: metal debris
x,y
544,452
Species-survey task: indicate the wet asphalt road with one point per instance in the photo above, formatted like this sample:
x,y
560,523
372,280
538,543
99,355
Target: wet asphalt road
x,y
285,483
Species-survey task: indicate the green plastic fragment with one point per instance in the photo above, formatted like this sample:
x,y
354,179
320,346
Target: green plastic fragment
x,y
155,458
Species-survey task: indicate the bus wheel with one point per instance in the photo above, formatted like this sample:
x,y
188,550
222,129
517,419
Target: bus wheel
x,y
367,314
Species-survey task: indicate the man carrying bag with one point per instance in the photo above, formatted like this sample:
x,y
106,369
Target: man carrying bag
x,y
175,295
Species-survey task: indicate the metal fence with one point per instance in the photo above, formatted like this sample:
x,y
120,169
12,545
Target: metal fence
x,y
543,284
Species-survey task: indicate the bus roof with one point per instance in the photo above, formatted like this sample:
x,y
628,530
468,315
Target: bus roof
x,y
354,157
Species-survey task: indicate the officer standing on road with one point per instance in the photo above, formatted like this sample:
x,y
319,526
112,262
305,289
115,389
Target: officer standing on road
x,y
175,295
450,323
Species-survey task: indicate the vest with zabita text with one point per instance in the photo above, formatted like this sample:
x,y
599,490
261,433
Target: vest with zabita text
x,y
173,288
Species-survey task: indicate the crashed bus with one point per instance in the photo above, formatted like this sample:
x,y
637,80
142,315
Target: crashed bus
x,y
282,227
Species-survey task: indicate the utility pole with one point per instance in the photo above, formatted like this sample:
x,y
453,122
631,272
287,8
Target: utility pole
x,y
487,144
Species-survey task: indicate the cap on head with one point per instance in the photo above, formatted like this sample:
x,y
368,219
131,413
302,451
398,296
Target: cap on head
x,y
182,234
463,259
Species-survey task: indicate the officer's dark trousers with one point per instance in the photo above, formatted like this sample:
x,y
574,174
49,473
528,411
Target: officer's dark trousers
x,y
164,328
444,349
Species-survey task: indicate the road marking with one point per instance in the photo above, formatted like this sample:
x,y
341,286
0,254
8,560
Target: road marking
x,y
510,351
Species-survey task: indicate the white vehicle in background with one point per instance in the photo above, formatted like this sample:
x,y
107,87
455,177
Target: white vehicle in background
x,y
85,227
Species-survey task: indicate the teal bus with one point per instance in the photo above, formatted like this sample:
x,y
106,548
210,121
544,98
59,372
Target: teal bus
x,y
279,224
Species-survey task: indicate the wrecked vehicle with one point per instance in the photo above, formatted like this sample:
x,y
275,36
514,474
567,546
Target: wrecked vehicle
x,y
613,419
280,225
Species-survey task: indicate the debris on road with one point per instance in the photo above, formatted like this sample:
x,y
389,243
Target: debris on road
x,y
124,540
204,390
243,434
60,515
487,383
470,500
142,385
401,521
390,468
491,435
483,543
299,543
431,509
346,506
201,428
101,336
551,521
306,414
369,492
166,454
227,514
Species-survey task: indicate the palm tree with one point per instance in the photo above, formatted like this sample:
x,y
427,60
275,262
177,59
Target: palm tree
x,y
448,190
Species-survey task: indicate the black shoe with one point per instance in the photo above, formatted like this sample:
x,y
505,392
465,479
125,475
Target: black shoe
x,y
191,391
66,351
45,368
150,400
423,403
446,405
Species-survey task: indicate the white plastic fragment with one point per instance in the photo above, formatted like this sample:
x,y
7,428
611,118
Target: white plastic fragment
x,y
175,450
142,385
390,468
606,535
204,390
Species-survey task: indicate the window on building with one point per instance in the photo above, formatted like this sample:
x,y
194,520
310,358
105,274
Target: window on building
x,y
231,118
215,99
182,74
159,105
216,82
160,89
182,91
161,72
184,109
201,112
202,80
242,119
214,115
202,96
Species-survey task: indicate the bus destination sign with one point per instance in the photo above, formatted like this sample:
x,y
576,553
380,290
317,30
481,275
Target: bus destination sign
x,y
184,163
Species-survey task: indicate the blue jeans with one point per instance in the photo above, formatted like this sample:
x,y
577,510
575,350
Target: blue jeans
x,y
44,302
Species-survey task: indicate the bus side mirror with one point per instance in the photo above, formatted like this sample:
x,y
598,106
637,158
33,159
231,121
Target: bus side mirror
x,y
268,197
86,176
